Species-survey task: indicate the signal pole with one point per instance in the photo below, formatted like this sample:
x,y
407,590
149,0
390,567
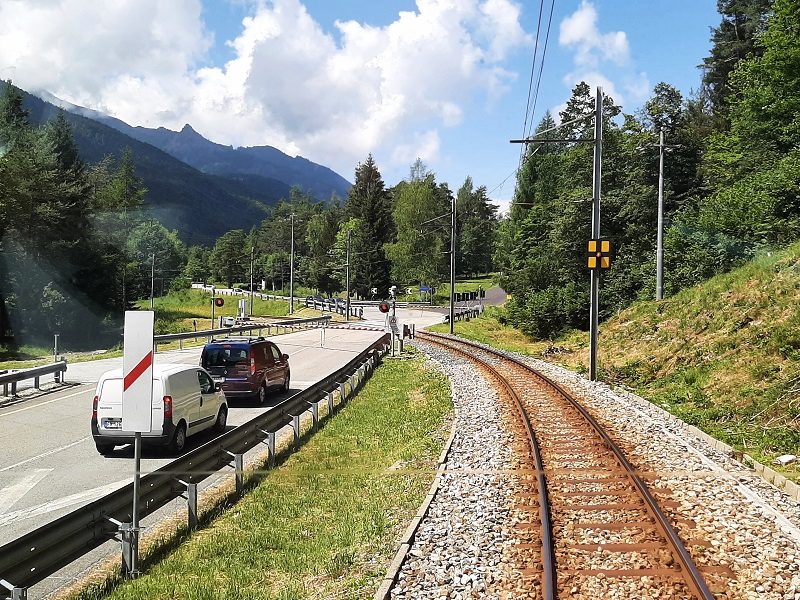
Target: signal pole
x,y
660,235
594,316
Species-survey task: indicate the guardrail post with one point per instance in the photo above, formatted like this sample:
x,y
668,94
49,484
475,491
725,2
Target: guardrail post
x,y
13,388
238,465
180,343
16,592
130,549
296,430
342,396
330,403
314,416
191,502
36,382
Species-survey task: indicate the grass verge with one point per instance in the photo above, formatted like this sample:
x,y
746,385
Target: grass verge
x,y
324,523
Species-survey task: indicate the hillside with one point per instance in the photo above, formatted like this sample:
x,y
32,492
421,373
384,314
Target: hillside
x,y
201,207
723,355
266,167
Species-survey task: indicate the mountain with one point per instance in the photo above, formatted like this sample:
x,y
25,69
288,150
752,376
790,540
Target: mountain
x,y
200,206
264,162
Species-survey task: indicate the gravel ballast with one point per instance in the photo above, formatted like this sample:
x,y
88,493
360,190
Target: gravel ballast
x,y
462,548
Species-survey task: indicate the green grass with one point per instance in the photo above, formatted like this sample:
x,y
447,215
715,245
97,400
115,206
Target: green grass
x,y
723,356
179,311
324,523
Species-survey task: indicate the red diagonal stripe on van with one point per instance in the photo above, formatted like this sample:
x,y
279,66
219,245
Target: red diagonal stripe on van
x,y
131,377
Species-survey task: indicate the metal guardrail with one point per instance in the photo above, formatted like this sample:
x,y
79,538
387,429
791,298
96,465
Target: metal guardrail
x,y
57,369
355,311
209,333
40,553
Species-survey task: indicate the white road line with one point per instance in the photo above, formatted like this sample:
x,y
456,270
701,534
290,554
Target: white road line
x,y
43,454
47,507
9,495
19,410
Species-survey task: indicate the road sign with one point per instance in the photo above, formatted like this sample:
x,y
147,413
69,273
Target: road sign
x,y
393,325
137,371
424,289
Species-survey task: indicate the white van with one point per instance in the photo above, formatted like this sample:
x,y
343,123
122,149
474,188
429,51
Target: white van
x,y
185,400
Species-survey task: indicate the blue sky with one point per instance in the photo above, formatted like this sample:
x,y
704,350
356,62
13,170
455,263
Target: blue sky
x,y
332,80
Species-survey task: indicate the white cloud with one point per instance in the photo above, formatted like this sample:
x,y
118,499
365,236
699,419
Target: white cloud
x,y
601,59
579,30
290,84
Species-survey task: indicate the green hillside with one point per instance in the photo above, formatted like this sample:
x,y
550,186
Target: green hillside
x,y
723,355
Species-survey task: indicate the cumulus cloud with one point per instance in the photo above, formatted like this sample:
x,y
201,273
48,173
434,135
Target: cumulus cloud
x,y
601,59
579,30
291,84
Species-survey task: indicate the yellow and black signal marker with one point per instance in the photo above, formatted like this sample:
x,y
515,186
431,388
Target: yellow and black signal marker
x,y
599,254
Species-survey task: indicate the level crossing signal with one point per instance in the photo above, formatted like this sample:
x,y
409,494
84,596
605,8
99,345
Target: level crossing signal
x,y
219,302
383,307
599,256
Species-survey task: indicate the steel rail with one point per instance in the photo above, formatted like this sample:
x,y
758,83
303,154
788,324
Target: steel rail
x,y
548,543
32,557
695,580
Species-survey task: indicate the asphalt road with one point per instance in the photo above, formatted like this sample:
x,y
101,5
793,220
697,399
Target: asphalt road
x,y
49,465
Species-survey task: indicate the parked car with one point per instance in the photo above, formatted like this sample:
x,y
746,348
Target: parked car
x,y
228,321
186,400
246,366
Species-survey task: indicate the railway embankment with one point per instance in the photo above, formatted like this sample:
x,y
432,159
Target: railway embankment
x,y
723,356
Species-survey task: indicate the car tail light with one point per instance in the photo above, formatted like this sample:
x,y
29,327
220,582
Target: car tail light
x,y
252,366
167,408
95,400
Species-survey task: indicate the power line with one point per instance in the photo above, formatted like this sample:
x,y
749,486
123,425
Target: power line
x,y
541,64
533,72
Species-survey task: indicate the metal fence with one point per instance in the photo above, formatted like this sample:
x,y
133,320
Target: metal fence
x,y
334,306
290,324
11,379
40,553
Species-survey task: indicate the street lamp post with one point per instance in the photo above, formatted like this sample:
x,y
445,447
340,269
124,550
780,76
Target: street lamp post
x,y
452,261
347,300
291,272
252,257
152,276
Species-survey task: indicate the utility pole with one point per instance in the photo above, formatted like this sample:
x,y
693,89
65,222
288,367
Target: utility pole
x,y
252,257
452,261
291,273
347,265
594,316
152,276
660,235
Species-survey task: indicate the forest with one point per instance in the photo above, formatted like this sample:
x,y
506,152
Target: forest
x,y
731,179
77,247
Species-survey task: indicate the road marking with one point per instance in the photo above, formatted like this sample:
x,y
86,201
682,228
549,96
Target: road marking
x,y
41,509
19,410
9,495
43,454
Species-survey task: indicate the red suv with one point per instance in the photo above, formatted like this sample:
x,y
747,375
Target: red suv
x,y
246,366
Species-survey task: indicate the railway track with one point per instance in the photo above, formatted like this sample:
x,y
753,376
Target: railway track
x,y
586,522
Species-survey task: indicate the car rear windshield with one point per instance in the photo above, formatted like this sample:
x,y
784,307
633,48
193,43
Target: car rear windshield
x,y
222,355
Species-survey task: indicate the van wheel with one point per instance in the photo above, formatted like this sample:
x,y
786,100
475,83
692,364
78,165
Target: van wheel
x,y
178,442
222,420
104,449
262,395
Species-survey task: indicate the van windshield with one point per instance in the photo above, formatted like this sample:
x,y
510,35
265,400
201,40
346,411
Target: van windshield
x,y
224,355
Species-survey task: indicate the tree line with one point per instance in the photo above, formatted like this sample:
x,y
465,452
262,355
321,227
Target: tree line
x,y
731,179
77,247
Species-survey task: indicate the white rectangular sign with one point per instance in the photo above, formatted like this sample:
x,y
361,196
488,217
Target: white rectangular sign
x,y
137,371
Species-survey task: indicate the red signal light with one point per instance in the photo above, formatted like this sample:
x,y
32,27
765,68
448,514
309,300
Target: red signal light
x,y
219,301
383,307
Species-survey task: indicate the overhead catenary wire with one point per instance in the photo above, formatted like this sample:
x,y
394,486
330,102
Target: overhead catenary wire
x,y
533,72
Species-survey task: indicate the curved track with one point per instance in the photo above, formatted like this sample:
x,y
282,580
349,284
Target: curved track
x,y
601,527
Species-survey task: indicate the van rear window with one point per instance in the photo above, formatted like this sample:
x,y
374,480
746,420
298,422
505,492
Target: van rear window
x,y
223,355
